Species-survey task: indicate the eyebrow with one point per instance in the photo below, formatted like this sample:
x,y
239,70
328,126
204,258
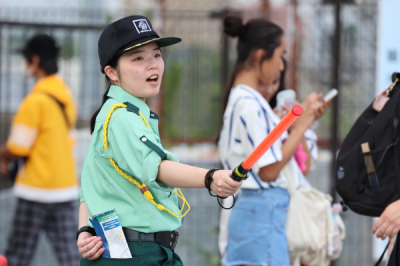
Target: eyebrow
x,y
135,52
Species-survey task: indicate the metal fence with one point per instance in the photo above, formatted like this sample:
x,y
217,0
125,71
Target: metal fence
x,y
190,101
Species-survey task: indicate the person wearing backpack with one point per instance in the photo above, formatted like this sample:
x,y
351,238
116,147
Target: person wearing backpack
x,y
388,224
368,165
46,185
256,227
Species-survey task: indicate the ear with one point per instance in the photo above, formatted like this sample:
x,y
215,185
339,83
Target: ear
x,y
112,74
36,60
259,54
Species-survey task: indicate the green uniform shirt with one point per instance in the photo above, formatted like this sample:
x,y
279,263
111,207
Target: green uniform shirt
x,y
138,151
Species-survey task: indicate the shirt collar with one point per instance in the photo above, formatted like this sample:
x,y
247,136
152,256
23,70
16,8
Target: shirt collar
x,y
249,90
119,94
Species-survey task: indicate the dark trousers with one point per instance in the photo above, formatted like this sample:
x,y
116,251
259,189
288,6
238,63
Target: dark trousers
x,y
59,222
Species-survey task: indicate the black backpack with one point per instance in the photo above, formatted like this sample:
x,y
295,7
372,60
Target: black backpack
x,y
367,166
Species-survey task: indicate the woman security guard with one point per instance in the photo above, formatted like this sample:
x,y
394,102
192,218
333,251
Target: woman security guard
x,y
126,167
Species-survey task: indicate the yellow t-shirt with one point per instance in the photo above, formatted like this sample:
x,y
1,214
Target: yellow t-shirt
x,y
40,133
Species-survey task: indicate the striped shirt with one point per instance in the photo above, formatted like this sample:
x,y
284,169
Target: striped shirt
x,y
248,119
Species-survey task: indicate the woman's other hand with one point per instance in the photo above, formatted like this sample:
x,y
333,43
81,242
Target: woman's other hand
x,y
310,107
90,246
282,112
324,106
223,185
380,100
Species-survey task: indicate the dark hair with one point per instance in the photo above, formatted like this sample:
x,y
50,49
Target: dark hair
x,y
282,86
46,48
255,34
112,63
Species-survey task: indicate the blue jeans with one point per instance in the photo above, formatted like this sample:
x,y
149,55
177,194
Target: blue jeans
x,y
256,229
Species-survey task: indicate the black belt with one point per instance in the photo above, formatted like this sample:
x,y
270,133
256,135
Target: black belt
x,y
168,239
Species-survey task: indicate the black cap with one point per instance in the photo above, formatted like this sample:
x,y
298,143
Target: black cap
x,y
42,45
126,34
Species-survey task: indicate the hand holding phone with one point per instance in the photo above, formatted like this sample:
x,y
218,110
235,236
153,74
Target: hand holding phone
x,y
330,94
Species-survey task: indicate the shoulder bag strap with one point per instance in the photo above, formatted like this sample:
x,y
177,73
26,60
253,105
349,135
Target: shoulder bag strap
x,y
62,106
288,175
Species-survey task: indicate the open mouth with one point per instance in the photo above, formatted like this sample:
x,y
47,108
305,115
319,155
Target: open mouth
x,y
153,78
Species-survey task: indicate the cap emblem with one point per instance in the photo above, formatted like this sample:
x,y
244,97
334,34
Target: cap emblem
x,y
141,25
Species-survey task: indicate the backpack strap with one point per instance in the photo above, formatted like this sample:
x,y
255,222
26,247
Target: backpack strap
x,y
62,106
383,253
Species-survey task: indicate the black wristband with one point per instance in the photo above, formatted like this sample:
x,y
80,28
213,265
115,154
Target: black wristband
x,y
207,183
208,178
85,228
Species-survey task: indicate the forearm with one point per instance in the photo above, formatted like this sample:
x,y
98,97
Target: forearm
x,y
307,151
83,214
6,154
270,172
175,174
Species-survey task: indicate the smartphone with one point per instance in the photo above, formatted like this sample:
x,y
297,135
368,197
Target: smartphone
x,y
330,94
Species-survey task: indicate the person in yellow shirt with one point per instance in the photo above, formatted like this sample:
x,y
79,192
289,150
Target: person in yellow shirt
x,y
46,184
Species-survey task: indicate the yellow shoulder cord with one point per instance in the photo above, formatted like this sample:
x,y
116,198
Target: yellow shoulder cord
x,y
388,91
143,188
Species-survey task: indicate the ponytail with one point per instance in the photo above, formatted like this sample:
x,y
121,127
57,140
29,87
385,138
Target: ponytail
x,y
114,64
93,119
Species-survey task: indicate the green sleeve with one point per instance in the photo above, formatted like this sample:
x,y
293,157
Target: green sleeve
x,y
125,137
80,197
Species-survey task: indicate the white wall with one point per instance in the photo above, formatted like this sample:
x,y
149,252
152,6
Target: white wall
x,y
388,52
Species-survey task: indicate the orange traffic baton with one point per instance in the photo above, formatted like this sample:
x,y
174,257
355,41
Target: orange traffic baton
x,y
241,171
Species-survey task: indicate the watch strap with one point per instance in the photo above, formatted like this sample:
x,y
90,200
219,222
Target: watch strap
x,y
86,229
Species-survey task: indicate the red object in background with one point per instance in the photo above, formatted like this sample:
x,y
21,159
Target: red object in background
x,y
3,261
282,126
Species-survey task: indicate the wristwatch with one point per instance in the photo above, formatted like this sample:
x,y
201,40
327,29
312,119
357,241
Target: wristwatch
x,y
85,229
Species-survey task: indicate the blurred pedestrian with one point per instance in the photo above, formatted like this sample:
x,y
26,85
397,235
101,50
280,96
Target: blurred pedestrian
x,y
305,155
256,228
46,184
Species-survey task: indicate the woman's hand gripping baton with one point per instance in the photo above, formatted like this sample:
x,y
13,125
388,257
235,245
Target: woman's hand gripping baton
x,y
241,171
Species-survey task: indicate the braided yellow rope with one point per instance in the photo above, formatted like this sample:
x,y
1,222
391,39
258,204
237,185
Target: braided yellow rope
x,y
391,87
146,192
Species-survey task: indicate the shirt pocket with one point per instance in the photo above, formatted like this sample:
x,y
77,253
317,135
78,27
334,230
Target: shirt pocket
x,y
161,195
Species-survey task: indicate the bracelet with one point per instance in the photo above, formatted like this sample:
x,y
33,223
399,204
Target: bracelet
x,y
207,183
208,179
88,229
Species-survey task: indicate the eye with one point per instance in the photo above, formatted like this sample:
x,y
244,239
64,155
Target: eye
x,y
158,55
138,58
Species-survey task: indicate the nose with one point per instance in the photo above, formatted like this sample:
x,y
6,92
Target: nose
x,y
151,63
282,67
